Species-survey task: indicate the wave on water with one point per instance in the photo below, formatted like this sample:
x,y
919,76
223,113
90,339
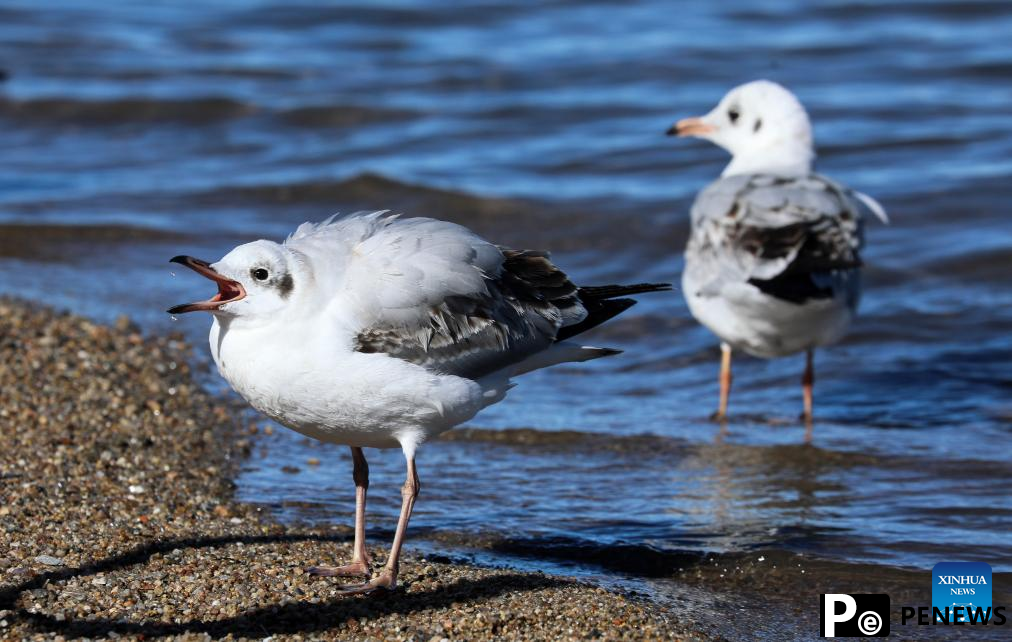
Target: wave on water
x,y
189,111
511,221
123,110
788,455
342,115
49,242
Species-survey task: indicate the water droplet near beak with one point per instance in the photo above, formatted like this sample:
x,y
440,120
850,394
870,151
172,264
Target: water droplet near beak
x,y
171,273
174,317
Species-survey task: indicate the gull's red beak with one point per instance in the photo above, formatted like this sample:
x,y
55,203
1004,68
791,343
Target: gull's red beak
x,y
228,290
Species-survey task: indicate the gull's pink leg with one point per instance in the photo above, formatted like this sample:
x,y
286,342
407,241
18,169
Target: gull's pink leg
x,y
725,382
360,558
807,380
387,578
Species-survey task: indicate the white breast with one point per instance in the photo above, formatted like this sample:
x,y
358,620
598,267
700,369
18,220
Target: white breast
x,y
313,383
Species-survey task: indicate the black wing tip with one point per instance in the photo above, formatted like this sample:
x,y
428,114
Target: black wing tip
x,y
606,352
637,288
602,292
598,311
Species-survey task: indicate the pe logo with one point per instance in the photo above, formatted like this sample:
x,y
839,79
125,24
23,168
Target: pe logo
x,y
854,615
960,587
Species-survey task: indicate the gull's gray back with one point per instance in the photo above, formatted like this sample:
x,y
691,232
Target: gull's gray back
x,y
789,236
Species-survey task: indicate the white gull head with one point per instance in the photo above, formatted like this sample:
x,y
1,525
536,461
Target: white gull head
x,y
257,283
762,125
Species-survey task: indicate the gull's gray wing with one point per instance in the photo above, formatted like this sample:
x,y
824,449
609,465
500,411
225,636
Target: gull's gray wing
x,y
519,312
791,237
436,294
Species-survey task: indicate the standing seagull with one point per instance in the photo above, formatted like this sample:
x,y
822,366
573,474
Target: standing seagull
x,y
377,331
772,265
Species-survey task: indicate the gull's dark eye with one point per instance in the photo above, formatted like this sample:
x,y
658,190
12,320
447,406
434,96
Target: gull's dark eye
x,y
260,274
733,115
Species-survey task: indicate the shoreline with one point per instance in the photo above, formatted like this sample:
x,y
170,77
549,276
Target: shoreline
x,y
119,516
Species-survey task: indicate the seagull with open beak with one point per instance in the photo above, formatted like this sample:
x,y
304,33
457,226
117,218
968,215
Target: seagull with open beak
x,y
374,331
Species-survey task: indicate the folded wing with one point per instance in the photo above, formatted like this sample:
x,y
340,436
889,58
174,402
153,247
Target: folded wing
x,y
436,294
786,236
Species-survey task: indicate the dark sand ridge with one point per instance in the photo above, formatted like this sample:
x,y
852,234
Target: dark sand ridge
x,y
117,518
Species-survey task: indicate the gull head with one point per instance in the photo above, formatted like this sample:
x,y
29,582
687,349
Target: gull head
x,y
762,125
255,281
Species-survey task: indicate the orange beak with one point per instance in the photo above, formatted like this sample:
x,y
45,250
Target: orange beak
x,y
690,127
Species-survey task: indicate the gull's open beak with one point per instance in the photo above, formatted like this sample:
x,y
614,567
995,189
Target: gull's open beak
x,y
228,290
691,127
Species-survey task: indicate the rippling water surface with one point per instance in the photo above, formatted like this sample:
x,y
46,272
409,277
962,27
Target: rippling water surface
x,y
134,132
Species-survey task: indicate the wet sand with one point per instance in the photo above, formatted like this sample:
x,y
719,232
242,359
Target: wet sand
x,y
118,518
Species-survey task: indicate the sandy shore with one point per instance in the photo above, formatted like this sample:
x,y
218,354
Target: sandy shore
x,y
117,519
